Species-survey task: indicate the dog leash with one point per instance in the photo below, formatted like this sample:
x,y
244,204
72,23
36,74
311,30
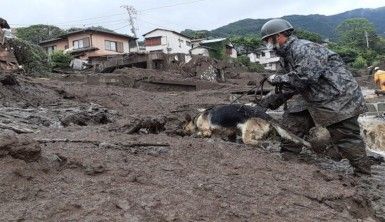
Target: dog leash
x,y
255,89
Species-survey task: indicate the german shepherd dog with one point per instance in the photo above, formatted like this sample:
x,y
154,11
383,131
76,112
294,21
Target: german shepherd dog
x,y
250,121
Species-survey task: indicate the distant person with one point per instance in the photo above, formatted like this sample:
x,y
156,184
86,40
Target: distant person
x,y
331,96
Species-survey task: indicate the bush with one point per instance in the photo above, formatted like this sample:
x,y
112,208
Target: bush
x,y
32,57
359,63
347,54
251,67
60,59
256,67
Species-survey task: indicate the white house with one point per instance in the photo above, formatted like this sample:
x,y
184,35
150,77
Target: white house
x,y
167,41
265,57
202,47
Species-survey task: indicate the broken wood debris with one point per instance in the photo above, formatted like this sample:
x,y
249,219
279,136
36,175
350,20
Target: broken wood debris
x,y
16,129
99,143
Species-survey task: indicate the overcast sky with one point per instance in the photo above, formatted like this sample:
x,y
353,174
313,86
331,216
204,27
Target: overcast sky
x,y
172,14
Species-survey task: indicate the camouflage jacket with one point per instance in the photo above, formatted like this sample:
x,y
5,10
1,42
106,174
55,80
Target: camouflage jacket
x,y
320,76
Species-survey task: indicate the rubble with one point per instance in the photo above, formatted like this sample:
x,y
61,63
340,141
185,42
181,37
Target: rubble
x,y
373,131
19,147
107,147
210,69
84,118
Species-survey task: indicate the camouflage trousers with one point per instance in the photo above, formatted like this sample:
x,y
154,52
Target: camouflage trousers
x,y
345,135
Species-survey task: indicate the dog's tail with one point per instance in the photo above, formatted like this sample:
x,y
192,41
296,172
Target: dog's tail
x,y
289,136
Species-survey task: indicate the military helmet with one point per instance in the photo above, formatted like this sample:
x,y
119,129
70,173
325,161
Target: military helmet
x,y
275,26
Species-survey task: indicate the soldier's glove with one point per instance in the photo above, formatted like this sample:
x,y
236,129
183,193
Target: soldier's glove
x,y
273,101
274,79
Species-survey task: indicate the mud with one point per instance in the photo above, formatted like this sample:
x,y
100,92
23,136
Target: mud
x,y
137,166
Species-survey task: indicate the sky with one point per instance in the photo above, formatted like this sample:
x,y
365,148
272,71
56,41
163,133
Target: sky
x,y
170,14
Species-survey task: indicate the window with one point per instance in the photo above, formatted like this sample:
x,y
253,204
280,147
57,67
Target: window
x,y
180,42
81,43
50,49
110,45
114,46
188,43
153,41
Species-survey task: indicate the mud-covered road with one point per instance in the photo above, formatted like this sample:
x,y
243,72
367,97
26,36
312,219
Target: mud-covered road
x,y
95,167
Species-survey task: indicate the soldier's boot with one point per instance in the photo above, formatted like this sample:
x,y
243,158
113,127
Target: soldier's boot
x,y
346,137
358,159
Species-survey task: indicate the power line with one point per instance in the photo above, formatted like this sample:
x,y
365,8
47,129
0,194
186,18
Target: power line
x,y
111,15
112,22
120,28
155,25
169,6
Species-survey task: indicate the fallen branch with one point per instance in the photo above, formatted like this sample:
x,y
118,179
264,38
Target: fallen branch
x,y
16,129
144,144
97,143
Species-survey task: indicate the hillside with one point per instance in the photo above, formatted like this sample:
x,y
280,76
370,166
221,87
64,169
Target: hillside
x,y
321,24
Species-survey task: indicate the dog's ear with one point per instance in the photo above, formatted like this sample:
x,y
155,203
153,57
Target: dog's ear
x,y
188,118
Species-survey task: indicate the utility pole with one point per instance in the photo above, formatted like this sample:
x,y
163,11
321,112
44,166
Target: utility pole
x,y
132,15
367,39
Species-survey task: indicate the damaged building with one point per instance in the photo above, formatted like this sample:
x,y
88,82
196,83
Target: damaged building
x,y
8,60
88,43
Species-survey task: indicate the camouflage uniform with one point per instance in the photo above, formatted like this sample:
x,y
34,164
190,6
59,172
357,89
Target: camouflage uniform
x,y
331,95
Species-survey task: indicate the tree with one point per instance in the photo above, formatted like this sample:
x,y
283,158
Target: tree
x,y
32,57
311,36
246,44
101,28
348,54
351,32
38,33
198,34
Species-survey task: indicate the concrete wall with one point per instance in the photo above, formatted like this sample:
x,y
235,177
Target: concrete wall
x,y
234,53
252,57
200,51
170,42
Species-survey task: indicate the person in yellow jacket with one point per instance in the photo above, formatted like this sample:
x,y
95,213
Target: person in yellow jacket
x,y
379,78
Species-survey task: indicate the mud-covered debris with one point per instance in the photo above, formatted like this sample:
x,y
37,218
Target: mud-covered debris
x,y
8,80
209,69
65,94
19,147
147,125
85,118
93,170
319,137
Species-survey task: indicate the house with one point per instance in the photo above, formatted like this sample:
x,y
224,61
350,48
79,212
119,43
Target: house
x,y
265,57
167,41
216,48
200,50
91,42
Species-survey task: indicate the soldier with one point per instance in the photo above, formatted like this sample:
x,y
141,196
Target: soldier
x,y
330,95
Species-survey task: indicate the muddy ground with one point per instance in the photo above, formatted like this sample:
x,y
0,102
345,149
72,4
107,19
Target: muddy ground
x,y
73,151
